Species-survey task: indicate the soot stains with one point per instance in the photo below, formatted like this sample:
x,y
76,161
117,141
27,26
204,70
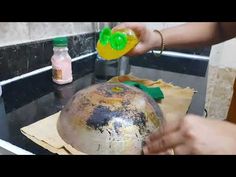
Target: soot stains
x,y
102,115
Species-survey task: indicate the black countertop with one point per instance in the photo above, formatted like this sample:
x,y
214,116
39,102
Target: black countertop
x,y
28,100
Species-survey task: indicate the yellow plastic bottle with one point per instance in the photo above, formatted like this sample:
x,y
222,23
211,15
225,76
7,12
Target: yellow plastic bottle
x,y
115,44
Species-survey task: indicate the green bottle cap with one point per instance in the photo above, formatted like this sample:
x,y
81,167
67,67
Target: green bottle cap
x,y
60,42
118,41
105,35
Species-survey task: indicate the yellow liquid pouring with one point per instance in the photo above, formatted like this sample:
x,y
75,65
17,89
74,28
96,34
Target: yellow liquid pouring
x,y
108,53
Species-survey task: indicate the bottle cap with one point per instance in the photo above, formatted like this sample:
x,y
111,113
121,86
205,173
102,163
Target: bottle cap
x,y
60,42
105,35
117,40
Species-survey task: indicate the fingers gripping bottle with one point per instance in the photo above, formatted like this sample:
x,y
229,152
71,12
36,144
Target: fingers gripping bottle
x,y
115,44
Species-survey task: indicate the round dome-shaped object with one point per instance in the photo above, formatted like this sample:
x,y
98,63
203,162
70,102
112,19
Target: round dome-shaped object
x,y
109,118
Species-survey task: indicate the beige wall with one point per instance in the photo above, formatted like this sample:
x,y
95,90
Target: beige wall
x,y
222,72
224,54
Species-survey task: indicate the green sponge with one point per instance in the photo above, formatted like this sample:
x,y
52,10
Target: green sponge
x,y
154,92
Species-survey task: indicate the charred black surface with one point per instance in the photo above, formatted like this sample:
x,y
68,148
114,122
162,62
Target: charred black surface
x,y
102,115
140,120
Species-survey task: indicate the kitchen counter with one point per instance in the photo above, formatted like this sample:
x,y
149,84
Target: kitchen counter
x,y
28,100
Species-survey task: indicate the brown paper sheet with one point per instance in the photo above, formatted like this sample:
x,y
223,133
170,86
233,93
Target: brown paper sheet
x,y
44,133
174,106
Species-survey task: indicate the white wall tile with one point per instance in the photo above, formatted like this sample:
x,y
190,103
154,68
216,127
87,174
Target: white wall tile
x,y
47,30
221,76
224,54
82,27
11,33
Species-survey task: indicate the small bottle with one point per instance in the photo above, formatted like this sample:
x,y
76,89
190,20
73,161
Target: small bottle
x,y
115,44
61,62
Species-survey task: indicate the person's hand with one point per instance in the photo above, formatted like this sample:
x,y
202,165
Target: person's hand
x,y
148,39
193,135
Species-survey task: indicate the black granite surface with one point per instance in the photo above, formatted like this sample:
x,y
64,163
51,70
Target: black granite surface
x,y
26,101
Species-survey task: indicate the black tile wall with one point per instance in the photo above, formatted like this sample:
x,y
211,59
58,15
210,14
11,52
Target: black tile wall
x,y
4,74
17,63
19,59
82,44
